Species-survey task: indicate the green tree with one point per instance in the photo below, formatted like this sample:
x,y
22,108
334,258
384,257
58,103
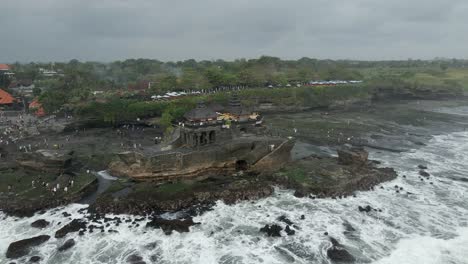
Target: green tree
x,y
37,91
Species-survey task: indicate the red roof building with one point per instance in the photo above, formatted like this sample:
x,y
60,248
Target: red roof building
x,y
37,108
4,67
6,98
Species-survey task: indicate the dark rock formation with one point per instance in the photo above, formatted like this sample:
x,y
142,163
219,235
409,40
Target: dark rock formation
x,y
285,220
333,177
171,225
73,226
46,160
422,167
135,259
424,173
67,245
289,231
215,159
34,259
366,209
22,247
41,223
203,194
338,253
272,231
352,156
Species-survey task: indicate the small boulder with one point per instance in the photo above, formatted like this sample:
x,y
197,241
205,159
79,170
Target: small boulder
x,y
289,231
135,259
170,225
424,173
41,223
300,193
338,253
21,248
422,167
285,220
35,259
272,231
366,209
74,226
67,245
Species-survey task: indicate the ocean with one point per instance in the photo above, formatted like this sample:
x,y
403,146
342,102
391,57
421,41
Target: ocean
x,y
425,222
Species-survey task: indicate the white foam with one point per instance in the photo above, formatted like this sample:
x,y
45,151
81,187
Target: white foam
x,y
428,226
430,250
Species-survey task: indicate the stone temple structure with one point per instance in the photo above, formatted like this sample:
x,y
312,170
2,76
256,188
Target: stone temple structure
x,y
203,126
208,142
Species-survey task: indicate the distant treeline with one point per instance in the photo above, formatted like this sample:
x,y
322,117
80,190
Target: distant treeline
x,y
76,81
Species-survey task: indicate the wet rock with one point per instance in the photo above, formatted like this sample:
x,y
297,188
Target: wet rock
x,y
66,214
41,223
338,253
67,245
272,231
23,247
424,173
366,209
135,259
300,194
170,225
422,167
74,226
35,259
289,231
285,220
352,156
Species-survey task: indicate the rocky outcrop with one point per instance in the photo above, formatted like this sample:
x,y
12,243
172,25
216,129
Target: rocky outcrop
x,y
349,155
74,226
333,177
41,223
272,231
204,193
22,248
250,153
168,226
67,245
338,253
53,161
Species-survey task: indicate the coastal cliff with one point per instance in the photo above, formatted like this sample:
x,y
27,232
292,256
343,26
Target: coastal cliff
x,y
249,153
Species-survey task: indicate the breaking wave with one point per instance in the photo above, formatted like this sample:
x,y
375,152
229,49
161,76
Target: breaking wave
x,y
425,222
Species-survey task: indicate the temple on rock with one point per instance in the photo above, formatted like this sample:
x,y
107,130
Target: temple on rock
x,y
203,125
209,141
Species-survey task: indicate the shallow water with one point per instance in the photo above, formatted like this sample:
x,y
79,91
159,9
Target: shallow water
x,y
430,225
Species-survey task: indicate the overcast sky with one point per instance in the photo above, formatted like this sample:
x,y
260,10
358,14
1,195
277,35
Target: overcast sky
x,y
107,30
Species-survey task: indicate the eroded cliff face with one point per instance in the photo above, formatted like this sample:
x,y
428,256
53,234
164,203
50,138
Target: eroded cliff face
x,y
245,153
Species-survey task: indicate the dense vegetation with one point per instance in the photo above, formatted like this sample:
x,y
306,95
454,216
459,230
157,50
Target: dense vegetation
x,y
127,85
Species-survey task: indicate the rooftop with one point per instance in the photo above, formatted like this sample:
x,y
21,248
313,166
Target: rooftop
x,y
6,98
4,67
201,112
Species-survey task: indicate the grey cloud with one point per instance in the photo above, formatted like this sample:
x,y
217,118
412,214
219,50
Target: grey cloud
x,y
107,30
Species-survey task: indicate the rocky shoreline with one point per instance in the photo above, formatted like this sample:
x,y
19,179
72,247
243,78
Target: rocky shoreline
x,y
316,176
